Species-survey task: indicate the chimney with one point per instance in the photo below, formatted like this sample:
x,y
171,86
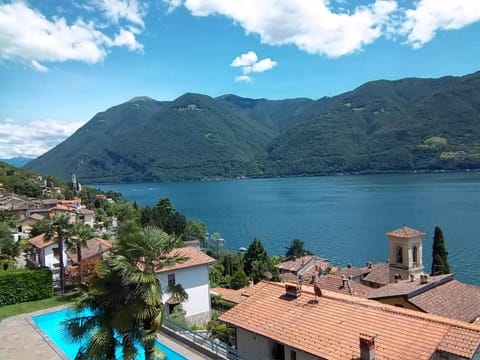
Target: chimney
x,y
369,264
293,290
412,277
367,347
423,279
344,281
397,278
349,266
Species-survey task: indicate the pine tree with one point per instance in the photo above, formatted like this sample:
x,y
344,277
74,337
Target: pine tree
x,y
439,254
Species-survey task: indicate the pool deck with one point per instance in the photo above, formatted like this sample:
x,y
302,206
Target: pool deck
x,y
20,340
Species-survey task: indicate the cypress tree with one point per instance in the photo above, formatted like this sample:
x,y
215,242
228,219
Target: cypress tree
x,y
439,254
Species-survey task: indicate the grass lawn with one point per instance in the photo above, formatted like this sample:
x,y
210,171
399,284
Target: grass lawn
x,y
30,306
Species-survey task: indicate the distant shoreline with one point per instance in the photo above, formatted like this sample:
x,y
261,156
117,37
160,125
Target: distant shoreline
x,y
357,173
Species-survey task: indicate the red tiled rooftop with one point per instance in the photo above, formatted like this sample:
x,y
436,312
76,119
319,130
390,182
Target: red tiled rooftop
x,y
405,232
295,264
231,295
39,241
335,283
452,299
194,256
329,326
95,247
406,287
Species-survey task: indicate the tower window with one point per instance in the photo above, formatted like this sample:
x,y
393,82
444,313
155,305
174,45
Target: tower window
x,y
399,252
415,254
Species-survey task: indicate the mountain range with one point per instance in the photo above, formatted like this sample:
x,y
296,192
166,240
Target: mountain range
x,y
403,125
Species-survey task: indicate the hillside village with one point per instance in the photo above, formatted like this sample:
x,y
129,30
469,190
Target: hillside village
x,y
303,308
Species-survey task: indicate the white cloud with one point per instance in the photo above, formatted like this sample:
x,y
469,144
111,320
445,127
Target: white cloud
x,y
114,10
127,38
312,25
248,62
39,67
243,78
246,59
28,36
34,138
430,16
263,65
322,27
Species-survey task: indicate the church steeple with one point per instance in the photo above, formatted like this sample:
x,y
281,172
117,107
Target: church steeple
x,y
405,253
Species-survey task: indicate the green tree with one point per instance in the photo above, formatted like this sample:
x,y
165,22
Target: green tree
x,y
59,230
196,230
296,249
79,234
239,279
9,248
439,254
164,216
255,253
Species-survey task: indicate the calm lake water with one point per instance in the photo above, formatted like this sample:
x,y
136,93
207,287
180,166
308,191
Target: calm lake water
x,y
342,218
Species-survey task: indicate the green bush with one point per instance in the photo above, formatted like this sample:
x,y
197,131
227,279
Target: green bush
x,y
21,285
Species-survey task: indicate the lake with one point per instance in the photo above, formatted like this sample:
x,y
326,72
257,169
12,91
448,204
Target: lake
x,y
342,218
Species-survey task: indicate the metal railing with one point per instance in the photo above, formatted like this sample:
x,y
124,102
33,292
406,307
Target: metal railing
x,y
200,339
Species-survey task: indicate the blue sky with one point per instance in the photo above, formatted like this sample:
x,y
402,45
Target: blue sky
x,y
63,61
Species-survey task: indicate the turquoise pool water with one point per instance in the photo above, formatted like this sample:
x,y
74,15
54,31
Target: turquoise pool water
x,y
51,325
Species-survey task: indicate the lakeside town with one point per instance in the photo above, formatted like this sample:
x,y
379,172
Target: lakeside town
x,y
243,304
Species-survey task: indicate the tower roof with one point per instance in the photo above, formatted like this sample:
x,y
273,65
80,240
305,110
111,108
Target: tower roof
x,y
405,232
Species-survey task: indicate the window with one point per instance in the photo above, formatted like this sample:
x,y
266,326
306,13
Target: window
x,y
415,255
293,355
56,252
171,279
399,252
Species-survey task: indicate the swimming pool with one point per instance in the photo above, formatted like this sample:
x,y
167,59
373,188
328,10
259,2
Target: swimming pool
x,y
51,324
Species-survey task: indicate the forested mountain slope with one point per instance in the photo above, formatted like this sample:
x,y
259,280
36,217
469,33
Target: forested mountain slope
x,y
403,125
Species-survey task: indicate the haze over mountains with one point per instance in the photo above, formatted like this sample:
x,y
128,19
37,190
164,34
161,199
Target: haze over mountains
x,y
404,125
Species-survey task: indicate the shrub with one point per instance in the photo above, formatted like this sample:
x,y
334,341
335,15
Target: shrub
x,y
25,285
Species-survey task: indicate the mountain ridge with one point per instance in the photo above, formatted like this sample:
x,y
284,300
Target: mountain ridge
x,y
402,125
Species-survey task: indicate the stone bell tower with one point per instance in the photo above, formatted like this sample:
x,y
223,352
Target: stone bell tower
x,y
405,253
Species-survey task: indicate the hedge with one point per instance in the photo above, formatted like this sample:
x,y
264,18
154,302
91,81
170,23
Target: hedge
x,y
21,285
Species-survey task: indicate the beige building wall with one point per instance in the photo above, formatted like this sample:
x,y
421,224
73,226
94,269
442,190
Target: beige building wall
x,y
259,347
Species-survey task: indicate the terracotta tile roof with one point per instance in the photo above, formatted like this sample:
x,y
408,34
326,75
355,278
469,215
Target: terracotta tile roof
x,y
452,299
95,247
85,211
409,288
233,296
195,257
352,271
335,283
39,241
330,326
296,264
405,232
379,274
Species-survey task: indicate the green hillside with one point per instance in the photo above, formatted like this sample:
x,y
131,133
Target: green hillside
x,y
403,125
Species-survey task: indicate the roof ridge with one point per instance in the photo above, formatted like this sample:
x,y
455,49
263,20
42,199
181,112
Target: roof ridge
x,y
353,299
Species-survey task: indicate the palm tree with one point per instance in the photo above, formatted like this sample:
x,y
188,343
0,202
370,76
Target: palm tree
x,y
125,297
148,251
80,233
58,229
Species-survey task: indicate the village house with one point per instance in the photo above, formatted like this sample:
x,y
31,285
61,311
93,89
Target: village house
x,y
44,253
302,268
439,295
192,274
295,322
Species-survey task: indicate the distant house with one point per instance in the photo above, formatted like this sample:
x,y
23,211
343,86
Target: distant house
x,y
439,295
96,248
342,284
374,275
44,253
293,322
192,274
303,267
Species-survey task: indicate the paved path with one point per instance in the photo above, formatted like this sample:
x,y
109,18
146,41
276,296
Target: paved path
x,y
20,341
